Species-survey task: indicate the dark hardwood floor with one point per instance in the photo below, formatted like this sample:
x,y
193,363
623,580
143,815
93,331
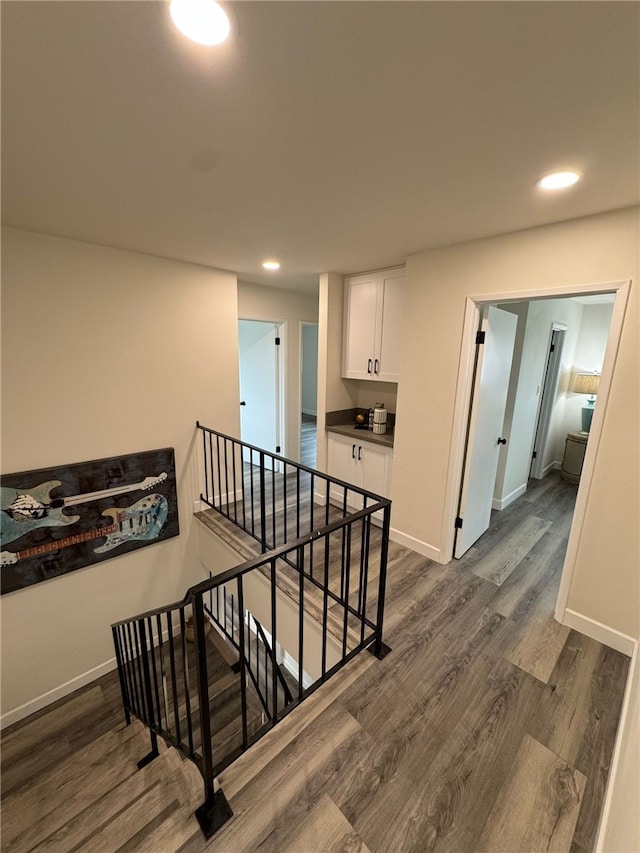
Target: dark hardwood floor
x,y
489,727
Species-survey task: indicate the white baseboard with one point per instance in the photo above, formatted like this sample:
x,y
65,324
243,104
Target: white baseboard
x,y
416,545
234,497
309,412
503,503
59,692
597,631
68,687
617,791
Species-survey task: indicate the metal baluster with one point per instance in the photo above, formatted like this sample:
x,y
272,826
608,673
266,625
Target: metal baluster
x,y
174,678
325,603
243,680
185,679
346,588
121,676
284,499
380,650
297,502
219,471
226,477
253,513
235,485
163,674
273,639
211,471
300,561
148,695
203,695
263,511
273,501
366,576
154,672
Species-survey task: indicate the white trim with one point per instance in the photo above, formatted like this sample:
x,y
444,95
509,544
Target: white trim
x,y
220,500
510,498
59,692
597,631
624,733
414,544
51,696
610,356
308,411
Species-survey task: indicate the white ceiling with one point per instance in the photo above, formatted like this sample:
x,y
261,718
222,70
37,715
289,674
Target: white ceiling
x,y
336,136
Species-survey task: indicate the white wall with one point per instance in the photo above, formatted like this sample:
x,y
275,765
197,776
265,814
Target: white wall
x,y
595,249
588,358
334,392
309,372
258,302
105,352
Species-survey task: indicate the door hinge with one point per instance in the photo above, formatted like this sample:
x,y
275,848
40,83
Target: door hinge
x,y
458,523
535,454
553,346
277,342
480,336
278,448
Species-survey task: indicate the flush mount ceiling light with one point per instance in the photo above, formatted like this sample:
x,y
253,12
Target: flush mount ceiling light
x,y
202,21
558,180
271,265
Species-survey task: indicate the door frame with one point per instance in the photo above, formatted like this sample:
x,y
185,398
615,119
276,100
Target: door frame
x,y
466,371
547,399
281,378
304,323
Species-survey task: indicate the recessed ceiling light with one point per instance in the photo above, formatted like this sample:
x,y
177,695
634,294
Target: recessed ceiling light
x,y
271,265
558,180
202,21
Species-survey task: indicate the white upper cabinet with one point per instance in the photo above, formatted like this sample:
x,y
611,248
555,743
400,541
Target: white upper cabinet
x,y
373,325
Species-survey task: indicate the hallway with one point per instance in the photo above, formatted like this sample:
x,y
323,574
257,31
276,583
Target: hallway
x,y
489,727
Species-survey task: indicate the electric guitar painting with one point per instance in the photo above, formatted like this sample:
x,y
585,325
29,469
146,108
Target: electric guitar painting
x,y
141,522
23,512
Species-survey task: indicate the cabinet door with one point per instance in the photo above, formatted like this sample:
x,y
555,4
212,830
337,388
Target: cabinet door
x,y
376,469
342,463
387,368
359,334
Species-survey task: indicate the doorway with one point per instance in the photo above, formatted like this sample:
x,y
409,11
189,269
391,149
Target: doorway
x,y
261,397
308,393
618,291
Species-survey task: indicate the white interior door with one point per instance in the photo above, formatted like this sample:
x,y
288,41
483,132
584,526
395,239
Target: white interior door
x,y
485,428
259,384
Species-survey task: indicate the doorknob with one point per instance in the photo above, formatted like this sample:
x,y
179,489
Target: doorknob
x,y
502,441
242,403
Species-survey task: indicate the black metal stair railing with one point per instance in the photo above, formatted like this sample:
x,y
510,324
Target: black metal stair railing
x,y
261,659
321,552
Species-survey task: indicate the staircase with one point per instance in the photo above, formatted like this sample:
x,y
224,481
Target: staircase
x,y
316,588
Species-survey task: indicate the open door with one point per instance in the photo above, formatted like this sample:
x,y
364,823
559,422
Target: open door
x,y
485,437
259,356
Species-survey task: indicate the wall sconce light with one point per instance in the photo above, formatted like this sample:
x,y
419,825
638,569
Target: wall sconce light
x,y
586,383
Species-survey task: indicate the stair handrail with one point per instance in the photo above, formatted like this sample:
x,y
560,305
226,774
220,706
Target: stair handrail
x,y
144,673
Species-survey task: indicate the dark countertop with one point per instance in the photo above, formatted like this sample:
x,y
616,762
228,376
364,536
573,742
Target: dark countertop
x,y
362,434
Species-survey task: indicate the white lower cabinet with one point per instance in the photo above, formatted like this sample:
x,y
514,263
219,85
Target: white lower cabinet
x,y
361,463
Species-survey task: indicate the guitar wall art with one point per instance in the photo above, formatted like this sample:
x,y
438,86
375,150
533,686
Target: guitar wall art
x,y
56,520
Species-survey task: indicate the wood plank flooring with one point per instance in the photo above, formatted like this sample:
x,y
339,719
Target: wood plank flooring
x,y
487,728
